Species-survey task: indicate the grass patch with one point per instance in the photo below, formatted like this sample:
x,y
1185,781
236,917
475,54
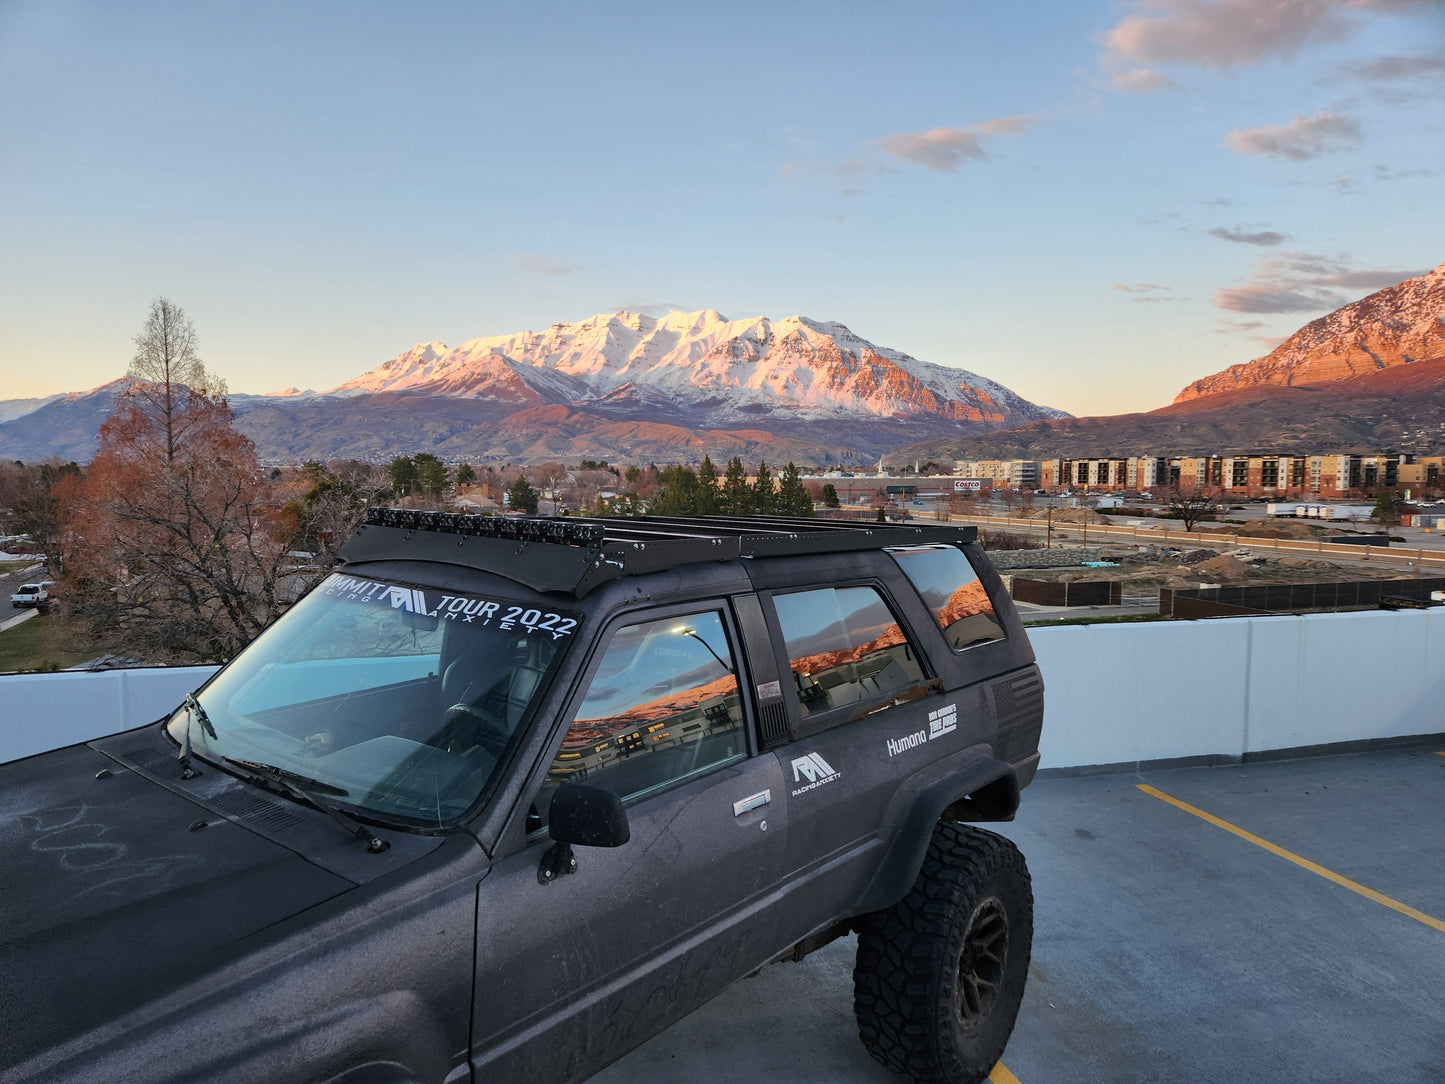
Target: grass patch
x,y
45,642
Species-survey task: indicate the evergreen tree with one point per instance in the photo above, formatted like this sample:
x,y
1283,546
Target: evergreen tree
x,y
521,497
1384,513
678,493
737,498
466,474
765,497
431,474
830,495
793,499
706,503
404,477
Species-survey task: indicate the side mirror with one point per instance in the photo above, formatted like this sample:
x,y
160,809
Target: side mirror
x,y
587,817
584,816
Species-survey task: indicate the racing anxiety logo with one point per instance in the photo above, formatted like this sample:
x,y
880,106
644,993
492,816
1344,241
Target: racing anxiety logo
x,y
814,770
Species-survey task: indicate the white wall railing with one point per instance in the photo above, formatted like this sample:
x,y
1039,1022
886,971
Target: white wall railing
x,y
1232,687
1115,693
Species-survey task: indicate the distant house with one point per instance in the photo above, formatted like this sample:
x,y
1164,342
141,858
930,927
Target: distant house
x,y
476,503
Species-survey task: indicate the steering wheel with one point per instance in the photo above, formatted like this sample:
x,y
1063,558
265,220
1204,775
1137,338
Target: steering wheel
x,y
485,732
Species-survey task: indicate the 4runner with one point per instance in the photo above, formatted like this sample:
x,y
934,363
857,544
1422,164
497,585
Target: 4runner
x,y
501,799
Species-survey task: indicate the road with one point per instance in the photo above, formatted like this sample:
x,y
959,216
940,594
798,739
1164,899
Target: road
x,y
1422,552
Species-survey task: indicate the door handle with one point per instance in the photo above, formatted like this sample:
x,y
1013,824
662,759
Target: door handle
x,y
763,797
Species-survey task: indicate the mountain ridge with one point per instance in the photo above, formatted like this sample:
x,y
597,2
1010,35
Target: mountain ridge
x,y
784,388
1399,325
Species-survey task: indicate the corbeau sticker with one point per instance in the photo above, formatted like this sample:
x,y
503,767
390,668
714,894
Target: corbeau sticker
x,y
942,721
812,771
466,609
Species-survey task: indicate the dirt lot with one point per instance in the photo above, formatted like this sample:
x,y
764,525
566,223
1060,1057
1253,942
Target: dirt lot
x,y
1143,570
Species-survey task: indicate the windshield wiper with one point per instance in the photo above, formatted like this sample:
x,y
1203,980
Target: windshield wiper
x,y
193,710
274,771
300,787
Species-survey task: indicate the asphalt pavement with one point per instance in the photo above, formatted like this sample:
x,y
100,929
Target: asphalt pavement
x,y
1273,921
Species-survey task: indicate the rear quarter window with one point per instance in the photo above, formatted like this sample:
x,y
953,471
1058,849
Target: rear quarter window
x,y
845,646
950,588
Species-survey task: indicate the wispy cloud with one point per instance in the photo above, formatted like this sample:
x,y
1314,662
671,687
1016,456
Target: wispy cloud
x,y
1226,34
1298,282
1249,328
1138,80
1302,138
1387,69
1145,292
654,308
541,265
944,150
1242,236
1383,173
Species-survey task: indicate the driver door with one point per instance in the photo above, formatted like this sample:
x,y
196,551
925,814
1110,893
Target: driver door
x,y
572,974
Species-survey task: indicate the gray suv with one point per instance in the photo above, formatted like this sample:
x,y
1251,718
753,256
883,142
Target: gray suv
x,y
500,799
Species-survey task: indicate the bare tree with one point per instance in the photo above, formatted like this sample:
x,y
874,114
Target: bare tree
x,y
1191,506
182,557
168,363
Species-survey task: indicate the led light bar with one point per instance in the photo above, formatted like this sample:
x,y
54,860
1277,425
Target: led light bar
x,y
558,532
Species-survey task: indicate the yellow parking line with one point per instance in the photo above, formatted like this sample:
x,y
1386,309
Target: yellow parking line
x,y
1000,1075
1303,863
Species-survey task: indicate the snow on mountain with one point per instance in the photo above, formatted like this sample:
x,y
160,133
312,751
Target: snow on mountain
x,y
701,363
1400,325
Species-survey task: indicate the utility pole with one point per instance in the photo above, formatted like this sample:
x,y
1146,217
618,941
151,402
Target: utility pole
x,y
1049,534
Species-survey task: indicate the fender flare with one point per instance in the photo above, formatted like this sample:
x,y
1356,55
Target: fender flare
x,y
970,785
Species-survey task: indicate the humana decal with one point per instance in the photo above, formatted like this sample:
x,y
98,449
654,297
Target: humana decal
x,y
907,742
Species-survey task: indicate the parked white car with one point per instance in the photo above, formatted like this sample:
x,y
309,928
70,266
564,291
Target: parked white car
x,y
31,594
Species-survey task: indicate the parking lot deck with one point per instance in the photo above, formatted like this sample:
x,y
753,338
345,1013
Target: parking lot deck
x,y
1271,921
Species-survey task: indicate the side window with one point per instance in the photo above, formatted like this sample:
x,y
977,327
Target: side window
x,y
662,706
950,588
844,645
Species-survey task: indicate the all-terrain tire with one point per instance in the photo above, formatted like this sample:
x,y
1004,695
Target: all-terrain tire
x,y
940,974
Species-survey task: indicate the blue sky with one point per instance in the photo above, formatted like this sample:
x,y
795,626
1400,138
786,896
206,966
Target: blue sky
x,y
1092,203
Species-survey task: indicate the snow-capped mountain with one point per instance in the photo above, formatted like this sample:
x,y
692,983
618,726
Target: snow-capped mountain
x,y
621,387
714,370
1400,325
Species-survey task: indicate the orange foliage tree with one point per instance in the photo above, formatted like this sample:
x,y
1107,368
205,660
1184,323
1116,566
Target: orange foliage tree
x,y
178,547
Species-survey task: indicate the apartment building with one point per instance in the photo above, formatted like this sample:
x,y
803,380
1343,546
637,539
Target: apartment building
x,y
1254,474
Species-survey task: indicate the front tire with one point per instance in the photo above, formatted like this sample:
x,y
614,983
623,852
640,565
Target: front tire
x,y
941,973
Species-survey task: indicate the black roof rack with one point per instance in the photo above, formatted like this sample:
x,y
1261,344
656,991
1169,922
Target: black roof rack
x,y
575,554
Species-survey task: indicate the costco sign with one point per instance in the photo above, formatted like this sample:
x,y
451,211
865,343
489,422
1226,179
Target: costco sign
x,y
967,485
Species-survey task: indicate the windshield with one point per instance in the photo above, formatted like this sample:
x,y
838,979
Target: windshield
x,y
400,701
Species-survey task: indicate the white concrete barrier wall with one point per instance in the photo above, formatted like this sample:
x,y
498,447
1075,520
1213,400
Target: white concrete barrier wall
x,y
1233,686
1115,693
45,711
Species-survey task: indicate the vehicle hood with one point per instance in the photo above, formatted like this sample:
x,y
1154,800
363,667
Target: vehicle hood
x,y
108,899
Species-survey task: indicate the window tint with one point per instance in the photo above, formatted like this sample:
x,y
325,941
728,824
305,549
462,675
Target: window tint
x,y
663,705
844,645
950,588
